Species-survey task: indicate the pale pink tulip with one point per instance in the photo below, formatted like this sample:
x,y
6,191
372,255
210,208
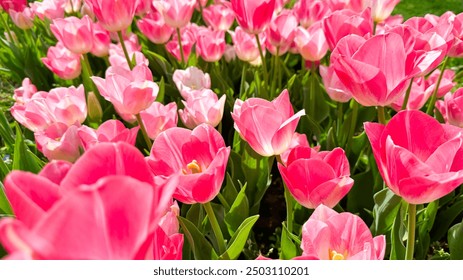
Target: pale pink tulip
x,y
210,45
176,13
109,131
153,26
311,43
158,118
101,41
333,86
253,16
310,12
24,93
419,159
59,142
113,15
199,157
23,19
202,107
446,83
451,108
298,140
219,16
188,39
72,6
268,127
417,98
382,9
328,235
74,33
64,63
190,80
281,31
48,9
245,44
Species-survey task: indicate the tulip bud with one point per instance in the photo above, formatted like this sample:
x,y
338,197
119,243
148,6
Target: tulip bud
x,y
94,108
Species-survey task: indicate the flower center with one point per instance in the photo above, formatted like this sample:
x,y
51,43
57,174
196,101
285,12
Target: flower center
x,y
335,256
192,168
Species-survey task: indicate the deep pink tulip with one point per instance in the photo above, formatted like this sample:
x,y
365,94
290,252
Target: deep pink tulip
x,y
190,80
245,44
64,63
198,156
310,12
153,26
59,142
268,127
23,19
168,242
13,5
418,96
311,42
210,45
188,38
113,15
253,16
315,178
281,31
74,33
143,7
158,118
55,171
298,140
109,131
418,158
219,16
202,107
24,93
345,22
328,235
48,9
176,13
129,91
101,41
446,83
333,86
451,108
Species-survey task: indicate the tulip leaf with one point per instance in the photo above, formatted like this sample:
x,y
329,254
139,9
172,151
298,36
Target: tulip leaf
x,y
360,197
288,246
238,212
240,237
445,218
397,234
159,62
425,222
4,170
455,239
229,191
201,248
387,205
196,215
5,207
162,91
5,131
23,158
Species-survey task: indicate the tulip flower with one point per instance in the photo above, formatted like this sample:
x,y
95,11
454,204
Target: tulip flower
x,y
13,5
245,45
311,43
418,158
59,142
199,157
328,235
176,13
333,86
203,107
417,98
446,83
210,45
24,93
158,118
253,16
219,16
109,131
154,28
49,9
188,39
101,41
268,127
281,31
168,242
451,108
74,33
64,63
114,15
190,80
382,9
23,19
310,12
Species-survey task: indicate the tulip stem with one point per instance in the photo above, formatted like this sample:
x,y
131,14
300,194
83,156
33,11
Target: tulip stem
x,y
143,131
432,103
312,96
124,48
264,64
182,55
275,73
381,115
216,229
243,81
340,120
407,95
411,231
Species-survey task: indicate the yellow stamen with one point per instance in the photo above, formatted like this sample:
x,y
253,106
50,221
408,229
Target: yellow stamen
x,y
193,167
335,256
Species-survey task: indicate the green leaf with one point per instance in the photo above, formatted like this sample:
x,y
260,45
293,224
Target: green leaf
x,y
159,62
455,238
201,248
444,219
238,212
162,91
5,131
288,246
387,205
23,158
4,170
397,234
240,237
360,197
196,215
5,207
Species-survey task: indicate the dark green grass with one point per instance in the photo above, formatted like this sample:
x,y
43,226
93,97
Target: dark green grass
x,y
410,8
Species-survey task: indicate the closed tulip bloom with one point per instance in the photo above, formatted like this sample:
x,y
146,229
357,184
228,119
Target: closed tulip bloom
x,y
310,12
219,16
59,142
210,45
315,178
153,26
101,41
329,235
109,131
268,127
333,86
198,156
311,43
176,13
76,34
446,83
253,16
451,108
158,118
64,63
282,30
382,9
24,93
23,19
188,40
48,9
203,107
168,242
191,80
245,45
417,98
114,15
418,158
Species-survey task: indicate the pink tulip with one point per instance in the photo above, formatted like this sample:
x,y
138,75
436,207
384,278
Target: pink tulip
x,y
143,7
72,6
418,158
333,86
245,45
281,31
113,15
154,28
188,38
55,171
210,45
451,108
253,16
13,5
268,127
328,235
202,107
158,118
198,156
168,242
418,96
109,131
317,178
298,140
24,93
310,12
219,16
49,9
345,22
446,83
311,43
23,19
64,63
101,41
117,58
129,91
382,9
176,13
371,80
59,142
190,80
76,34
